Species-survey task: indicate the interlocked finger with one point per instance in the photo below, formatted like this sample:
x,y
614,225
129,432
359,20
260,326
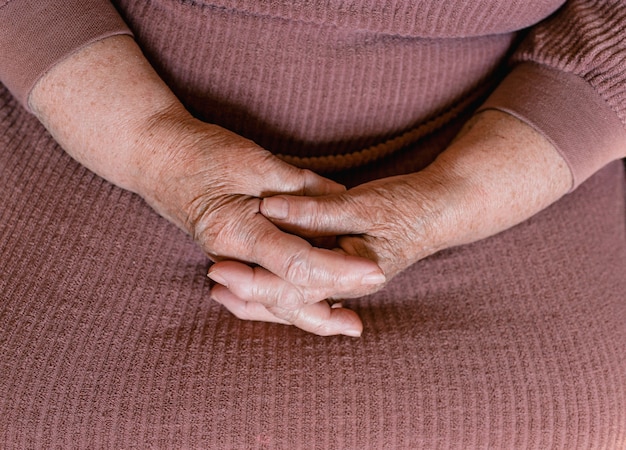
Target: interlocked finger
x,y
318,318
315,271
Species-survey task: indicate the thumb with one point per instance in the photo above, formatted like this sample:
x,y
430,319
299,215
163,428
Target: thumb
x,y
315,184
328,215
288,179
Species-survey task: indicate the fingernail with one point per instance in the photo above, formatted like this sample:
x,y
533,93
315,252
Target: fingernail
x,y
352,333
276,208
217,277
373,278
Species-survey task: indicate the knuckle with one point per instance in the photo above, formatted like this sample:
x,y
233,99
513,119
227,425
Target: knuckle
x,y
259,293
291,302
288,299
222,228
297,269
278,295
293,316
289,316
302,176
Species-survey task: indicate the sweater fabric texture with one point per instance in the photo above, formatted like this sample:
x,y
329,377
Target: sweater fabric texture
x,y
108,338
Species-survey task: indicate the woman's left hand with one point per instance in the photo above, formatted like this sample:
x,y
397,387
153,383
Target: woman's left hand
x,y
496,174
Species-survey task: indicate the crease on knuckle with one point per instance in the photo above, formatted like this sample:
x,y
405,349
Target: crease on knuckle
x,y
290,301
280,296
296,268
288,315
200,216
364,215
216,230
304,183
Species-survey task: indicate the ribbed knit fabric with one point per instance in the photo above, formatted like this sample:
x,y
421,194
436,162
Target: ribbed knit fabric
x,y
108,338
35,35
334,84
585,40
302,88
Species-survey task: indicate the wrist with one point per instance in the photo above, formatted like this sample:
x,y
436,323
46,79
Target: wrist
x,y
171,164
437,209
111,112
498,172
94,103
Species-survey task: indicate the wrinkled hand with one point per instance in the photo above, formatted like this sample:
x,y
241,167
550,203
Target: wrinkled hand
x,y
109,110
498,173
389,221
212,184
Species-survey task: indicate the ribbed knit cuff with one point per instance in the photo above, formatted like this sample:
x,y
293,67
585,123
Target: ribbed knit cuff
x,y
567,111
37,34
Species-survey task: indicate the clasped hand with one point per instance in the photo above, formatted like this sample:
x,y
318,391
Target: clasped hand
x,y
256,215
385,221
496,174
212,184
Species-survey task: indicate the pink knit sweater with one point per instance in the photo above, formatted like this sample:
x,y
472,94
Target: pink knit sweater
x,y
108,336
334,84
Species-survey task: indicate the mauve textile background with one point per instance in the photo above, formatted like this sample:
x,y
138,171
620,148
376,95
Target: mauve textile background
x,y
108,338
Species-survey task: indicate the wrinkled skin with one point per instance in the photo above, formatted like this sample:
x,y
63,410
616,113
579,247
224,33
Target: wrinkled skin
x,y
220,178
110,111
497,173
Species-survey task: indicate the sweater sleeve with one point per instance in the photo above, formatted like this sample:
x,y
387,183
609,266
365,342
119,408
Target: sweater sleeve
x,y
568,81
37,34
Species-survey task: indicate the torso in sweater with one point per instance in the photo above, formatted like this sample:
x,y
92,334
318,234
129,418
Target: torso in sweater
x,y
325,77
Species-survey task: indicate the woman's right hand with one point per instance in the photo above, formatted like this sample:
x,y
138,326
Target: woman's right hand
x,y
211,181
110,111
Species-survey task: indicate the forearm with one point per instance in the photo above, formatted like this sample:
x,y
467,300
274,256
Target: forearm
x,y
99,103
496,174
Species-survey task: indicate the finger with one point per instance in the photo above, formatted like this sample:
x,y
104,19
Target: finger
x,y
330,215
358,246
318,318
285,178
315,184
293,259
242,309
256,240
258,285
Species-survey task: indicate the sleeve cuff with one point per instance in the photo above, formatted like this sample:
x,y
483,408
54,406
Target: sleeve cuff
x,y
567,111
37,34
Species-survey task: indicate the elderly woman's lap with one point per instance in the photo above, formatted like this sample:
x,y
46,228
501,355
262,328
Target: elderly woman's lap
x,y
108,336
